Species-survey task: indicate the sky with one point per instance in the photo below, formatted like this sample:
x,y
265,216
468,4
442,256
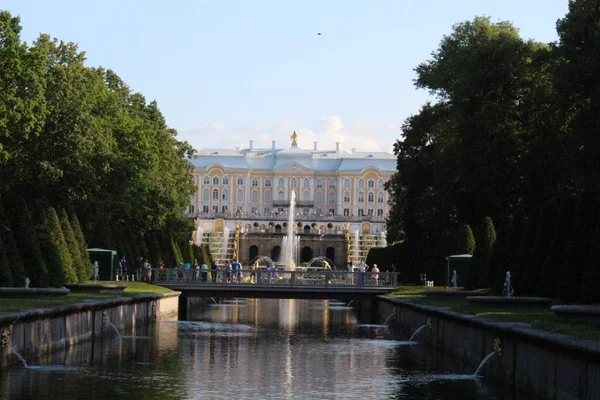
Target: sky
x,y
226,72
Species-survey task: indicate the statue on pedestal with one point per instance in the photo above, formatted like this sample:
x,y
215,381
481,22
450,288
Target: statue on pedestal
x,y
294,138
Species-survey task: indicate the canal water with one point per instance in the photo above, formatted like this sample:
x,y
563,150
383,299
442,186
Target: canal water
x,y
253,349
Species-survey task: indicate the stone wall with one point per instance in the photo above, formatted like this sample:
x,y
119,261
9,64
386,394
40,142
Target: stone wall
x,y
40,331
544,364
318,243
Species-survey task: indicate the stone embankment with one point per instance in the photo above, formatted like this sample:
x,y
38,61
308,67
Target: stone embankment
x,y
547,365
39,331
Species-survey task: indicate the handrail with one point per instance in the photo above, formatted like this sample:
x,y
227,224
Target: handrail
x,y
269,277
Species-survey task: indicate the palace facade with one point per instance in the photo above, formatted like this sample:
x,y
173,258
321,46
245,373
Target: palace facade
x,y
335,190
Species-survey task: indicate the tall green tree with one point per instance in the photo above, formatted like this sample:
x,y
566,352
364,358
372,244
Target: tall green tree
x,y
86,270
465,241
72,246
16,275
590,279
479,274
5,273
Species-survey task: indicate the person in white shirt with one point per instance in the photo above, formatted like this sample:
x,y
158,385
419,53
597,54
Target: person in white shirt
x,y
375,274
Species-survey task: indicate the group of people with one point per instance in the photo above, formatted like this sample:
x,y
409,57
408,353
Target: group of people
x,y
144,269
360,273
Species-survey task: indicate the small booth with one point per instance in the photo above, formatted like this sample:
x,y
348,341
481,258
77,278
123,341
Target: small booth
x,y
461,264
106,263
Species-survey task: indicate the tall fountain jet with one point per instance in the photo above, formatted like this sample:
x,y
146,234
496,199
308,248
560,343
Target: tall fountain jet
x,y
356,249
224,245
199,233
290,241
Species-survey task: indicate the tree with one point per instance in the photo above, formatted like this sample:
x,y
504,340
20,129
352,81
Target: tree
x,y
16,273
55,251
582,231
72,247
478,272
177,257
5,273
465,241
590,279
86,271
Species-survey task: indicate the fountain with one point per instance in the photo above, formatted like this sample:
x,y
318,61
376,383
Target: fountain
x,y
454,280
483,364
416,333
507,289
199,234
224,245
322,262
290,241
355,250
19,356
508,299
115,328
388,318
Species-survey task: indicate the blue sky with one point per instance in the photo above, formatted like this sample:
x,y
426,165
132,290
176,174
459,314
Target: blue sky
x,y
225,72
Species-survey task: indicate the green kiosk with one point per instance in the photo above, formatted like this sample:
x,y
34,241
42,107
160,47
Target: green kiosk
x,y
461,264
106,263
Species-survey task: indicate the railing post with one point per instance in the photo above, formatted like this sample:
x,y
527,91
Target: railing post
x,y
293,278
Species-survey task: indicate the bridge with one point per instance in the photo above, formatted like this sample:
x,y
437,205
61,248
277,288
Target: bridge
x,y
265,283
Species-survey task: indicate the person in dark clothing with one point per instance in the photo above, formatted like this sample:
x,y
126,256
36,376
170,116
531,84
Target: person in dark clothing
x,y
213,274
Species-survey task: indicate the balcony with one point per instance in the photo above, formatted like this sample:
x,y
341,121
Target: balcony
x,y
305,203
284,217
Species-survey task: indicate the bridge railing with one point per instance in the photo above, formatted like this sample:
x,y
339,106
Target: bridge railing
x,y
295,278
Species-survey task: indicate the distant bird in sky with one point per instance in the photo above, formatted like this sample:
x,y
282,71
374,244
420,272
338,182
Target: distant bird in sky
x,y
319,33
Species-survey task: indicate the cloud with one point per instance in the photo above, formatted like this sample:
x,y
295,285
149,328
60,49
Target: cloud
x,y
362,135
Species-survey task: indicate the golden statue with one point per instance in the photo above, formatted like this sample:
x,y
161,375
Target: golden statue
x,y
294,138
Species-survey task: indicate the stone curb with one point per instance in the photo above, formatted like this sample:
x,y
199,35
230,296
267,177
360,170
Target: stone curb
x,y
568,345
10,318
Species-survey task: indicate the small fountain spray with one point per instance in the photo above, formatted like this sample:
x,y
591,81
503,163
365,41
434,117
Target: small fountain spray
x,y
427,325
454,280
508,290
497,352
387,320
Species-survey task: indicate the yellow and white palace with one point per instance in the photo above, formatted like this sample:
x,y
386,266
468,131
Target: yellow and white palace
x,y
335,189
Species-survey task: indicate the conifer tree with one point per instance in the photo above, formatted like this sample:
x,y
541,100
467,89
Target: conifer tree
x,y
483,252
72,247
465,241
55,251
28,235
5,274
590,280
86,271
16,274
555,255
176,252
582,230
537,258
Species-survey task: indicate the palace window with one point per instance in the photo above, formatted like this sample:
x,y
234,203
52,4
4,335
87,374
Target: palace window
x,y
346,183
361,197
206,180
319,183
225,194
381,184
332,197
306,195
255,182
205,209
254,196
206,194
332,184
240,180
380,212
294,182
361,212
224,209
346,197
240,195
225,180
280,195
216,194
361,184
380,197
267,182
268,196
371,183
215,180
306,183
332,211
319,197
370,197
346,212
281,182
370,212
191,209
215,209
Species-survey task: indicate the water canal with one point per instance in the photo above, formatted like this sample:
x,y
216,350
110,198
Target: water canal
x,y
253,349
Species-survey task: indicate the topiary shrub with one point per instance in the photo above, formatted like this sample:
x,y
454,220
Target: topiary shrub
x,y
465,240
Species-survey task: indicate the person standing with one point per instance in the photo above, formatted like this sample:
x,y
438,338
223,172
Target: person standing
x,y
213,274
375,274
235,266
228,269
123,267
362,269
148,269
196,271
204,269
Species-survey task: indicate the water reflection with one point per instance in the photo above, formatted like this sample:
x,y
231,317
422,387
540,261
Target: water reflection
x,y
253,349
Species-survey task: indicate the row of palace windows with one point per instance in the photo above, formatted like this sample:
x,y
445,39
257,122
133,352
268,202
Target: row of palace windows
x,y
267,210
294,182
281,196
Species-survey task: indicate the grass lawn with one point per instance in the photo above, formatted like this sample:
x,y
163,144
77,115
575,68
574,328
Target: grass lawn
x,y
538,318
133,288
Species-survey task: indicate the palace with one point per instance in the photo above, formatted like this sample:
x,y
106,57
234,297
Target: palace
x,y
337,193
